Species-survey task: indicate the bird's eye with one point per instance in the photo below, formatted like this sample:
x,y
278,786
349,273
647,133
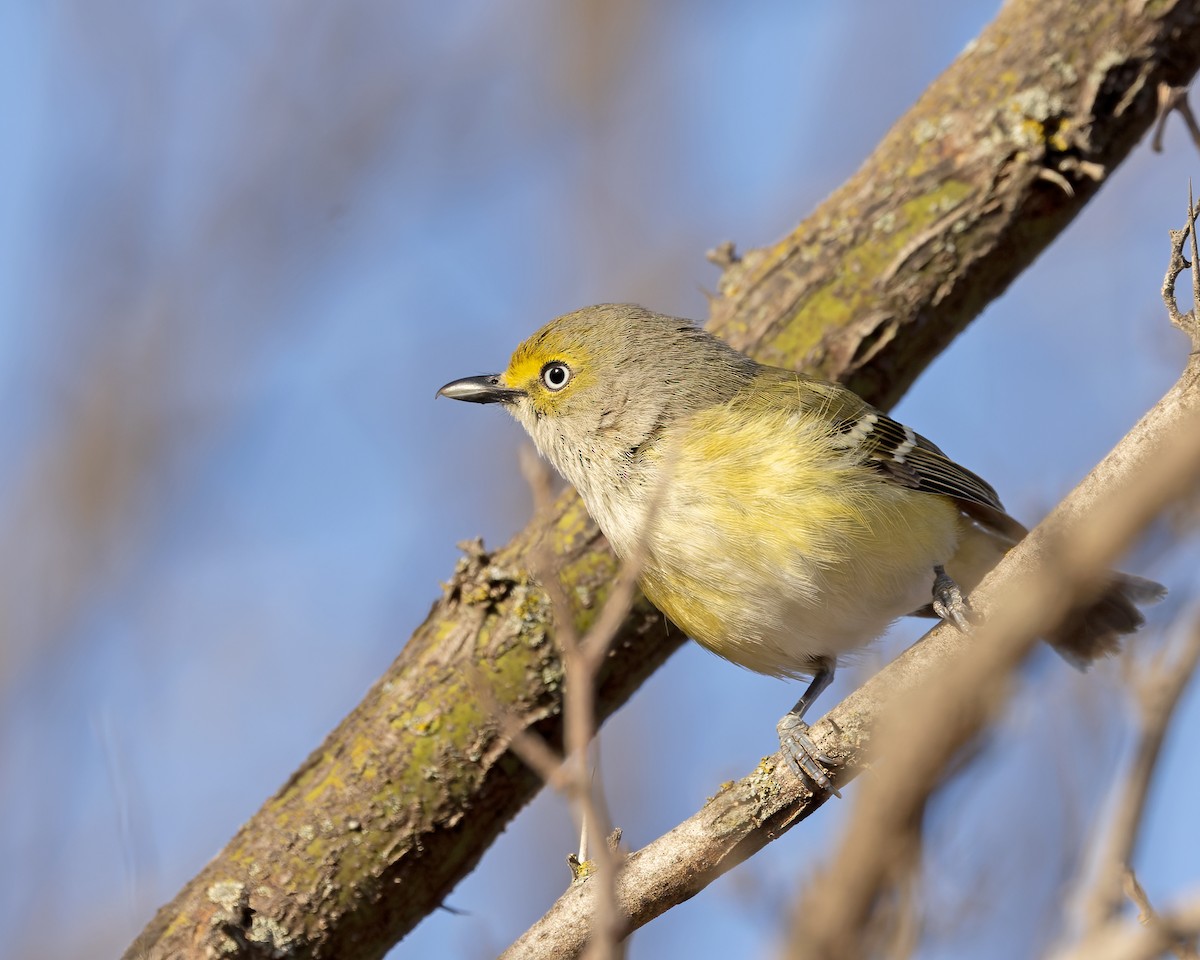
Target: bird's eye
x,y
556,375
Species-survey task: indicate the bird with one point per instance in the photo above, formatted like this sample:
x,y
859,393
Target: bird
x,y
779,520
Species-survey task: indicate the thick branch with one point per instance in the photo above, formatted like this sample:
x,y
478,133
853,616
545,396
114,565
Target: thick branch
x,y
402,799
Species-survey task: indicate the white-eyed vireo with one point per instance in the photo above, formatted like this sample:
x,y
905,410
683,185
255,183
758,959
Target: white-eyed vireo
x,y
779,520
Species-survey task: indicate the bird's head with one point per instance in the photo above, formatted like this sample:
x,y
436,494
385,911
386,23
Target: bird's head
x,y
594,386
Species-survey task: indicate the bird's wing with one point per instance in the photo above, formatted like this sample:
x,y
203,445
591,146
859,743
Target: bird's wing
x,y
901,455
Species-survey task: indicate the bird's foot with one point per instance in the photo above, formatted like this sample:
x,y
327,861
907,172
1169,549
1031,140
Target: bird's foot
x,y
803,756
949,602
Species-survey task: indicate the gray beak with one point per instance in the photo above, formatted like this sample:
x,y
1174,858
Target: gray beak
x,y
485,389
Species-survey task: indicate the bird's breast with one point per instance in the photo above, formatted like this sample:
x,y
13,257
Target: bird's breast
x,y
770,548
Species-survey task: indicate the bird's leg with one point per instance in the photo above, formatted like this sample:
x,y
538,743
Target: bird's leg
x,y
801,754
949,602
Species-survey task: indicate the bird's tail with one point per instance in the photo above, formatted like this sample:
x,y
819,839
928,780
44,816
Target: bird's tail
x,y
1095,630
1088,632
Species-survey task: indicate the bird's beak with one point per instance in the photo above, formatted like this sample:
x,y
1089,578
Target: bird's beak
x,y
485,389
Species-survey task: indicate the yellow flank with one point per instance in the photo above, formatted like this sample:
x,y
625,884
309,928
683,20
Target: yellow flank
x,y
773,547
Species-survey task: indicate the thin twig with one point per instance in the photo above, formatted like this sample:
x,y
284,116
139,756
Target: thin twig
x,y
1132,940
588,801
534,751
1173,100
1156,692
539,477
582,659
1183,946
1176,264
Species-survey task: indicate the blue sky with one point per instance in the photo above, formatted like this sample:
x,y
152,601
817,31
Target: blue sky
x,y
241,246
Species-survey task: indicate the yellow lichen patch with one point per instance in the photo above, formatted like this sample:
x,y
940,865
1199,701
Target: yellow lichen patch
x,y
589,581
580,869
824,309
444,629
316,848
1033,132
835,303
571,526
331,781
721,788
474,593
180,921
362,756
422,718
1059,138
531,608
509,674
239,855
924,211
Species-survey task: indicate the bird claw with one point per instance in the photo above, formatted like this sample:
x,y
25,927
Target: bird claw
x,y
803,756
949,602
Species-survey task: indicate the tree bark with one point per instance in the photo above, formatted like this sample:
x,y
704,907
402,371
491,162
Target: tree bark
x,y
403,797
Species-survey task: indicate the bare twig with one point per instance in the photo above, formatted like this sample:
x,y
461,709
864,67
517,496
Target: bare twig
x,y
1176,265
1131,940
583,658
1173,99
586,792
1183,946
539,477
1157,692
